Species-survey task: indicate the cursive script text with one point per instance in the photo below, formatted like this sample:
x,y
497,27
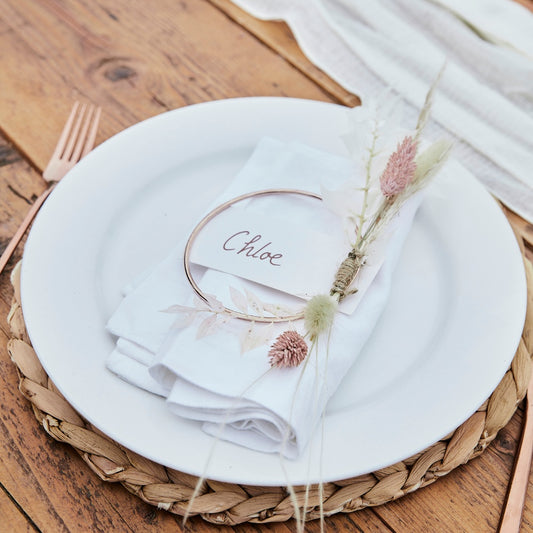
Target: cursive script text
x,y
250,248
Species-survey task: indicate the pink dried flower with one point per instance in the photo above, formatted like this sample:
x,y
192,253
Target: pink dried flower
x,y
288,350
400,168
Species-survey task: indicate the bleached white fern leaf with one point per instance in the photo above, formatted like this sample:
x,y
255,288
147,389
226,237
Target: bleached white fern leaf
x,y
207,327
254,303
255,336
214,304
184,320
179,309
238,299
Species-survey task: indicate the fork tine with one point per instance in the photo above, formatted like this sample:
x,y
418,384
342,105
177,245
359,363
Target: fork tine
x,y
74,133
91,138
65,133
83,134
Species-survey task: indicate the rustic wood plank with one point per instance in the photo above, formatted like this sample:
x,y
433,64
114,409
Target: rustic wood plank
x,y
12,515
49,480
19,186
53,52
279,37
468,499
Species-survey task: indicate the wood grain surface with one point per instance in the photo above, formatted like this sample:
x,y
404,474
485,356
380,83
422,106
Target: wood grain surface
x,y
137,59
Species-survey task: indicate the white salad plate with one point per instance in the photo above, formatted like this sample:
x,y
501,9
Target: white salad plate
x,y
448,333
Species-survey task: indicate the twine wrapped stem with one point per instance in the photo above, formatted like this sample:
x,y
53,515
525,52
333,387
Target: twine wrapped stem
x,y
346,273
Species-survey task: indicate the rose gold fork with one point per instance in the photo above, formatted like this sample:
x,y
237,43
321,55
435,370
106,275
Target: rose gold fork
x,y
76,141
514,506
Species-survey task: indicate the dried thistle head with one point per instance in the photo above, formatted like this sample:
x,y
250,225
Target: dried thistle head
x,y
400,168
289,350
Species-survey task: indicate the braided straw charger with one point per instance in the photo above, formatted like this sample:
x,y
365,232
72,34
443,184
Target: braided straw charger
x,y
224,503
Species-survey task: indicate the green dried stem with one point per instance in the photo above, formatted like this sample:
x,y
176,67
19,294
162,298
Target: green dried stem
x,y
368,178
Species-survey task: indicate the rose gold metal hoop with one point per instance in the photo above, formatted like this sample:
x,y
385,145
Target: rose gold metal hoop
x,y
212,214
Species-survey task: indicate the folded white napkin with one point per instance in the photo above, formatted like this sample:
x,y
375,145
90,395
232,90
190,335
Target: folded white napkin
x,y
237,396
485,99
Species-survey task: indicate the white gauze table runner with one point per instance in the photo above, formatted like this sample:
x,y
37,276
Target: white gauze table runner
x,y
235,395
485,99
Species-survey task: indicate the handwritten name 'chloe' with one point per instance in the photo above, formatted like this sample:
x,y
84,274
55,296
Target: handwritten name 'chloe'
x,y
250,247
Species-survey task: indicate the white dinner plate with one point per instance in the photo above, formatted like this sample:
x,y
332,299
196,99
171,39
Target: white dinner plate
x,y
445,339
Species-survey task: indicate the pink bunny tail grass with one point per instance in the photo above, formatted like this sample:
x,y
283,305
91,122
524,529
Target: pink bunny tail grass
x,y
400,168
289,350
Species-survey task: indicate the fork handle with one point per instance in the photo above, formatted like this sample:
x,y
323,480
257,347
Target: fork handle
x,y
512,515
13,243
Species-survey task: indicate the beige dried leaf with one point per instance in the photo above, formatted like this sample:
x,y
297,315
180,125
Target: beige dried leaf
x,y
254,336
178,309
214,303
238,299
184,320
254,302
207,327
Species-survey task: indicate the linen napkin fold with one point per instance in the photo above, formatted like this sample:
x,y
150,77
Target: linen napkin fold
x,y
485,98
237,396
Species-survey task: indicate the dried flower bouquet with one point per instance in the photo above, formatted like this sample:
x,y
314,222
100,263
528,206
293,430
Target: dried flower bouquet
x,y
407,171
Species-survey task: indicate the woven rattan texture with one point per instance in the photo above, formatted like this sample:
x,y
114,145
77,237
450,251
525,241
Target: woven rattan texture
x,y
224,503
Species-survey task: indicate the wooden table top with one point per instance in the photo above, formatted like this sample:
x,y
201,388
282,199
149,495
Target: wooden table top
x,y
136,60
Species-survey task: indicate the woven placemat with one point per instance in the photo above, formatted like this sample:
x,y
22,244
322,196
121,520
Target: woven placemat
x,y
225,503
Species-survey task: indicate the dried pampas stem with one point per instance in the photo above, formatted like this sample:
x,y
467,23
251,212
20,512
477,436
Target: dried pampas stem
x,y
400,169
